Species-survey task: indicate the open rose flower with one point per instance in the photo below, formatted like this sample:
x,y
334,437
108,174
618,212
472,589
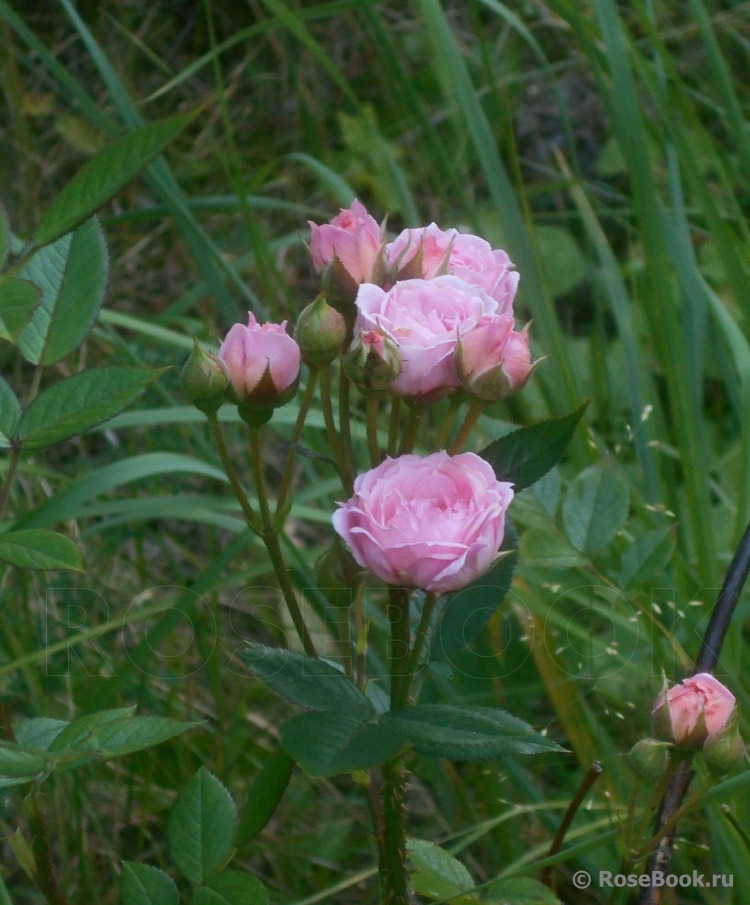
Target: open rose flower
x,y
688,713
434,523
263,363
425,319
352,238
447,251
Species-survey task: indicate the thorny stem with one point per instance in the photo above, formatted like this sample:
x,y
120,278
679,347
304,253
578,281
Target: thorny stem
x,y
393,868
271,540
708,657
286,475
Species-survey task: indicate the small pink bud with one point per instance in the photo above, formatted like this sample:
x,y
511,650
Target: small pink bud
x,y
205,379
373,362
348,251
688,713
320,332
263,363
493,360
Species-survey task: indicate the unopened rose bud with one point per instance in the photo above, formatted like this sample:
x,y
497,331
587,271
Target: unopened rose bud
x,y
263,363
649,757
346,252
493,360
320,332
724,749
688,713
373,362
204,379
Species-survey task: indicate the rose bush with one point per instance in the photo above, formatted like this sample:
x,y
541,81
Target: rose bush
x,y
425,319
468,257
688,713
434,523
263,362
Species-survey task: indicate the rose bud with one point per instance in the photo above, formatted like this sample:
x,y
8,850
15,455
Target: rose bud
x,y
373,362
687,713
320,332
724,749
204,379
430,252
263,363
434,523
347,251
649,757
492,360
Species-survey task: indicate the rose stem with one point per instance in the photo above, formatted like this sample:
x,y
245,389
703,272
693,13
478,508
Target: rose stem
x,y
347,480
394,773
472,416
304,406
372,430
393,425
411,430
345,387
592,774
271,540
708,657
420,634
251,516
453,406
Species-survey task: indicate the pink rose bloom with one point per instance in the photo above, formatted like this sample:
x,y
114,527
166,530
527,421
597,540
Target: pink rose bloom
x,y
424,318
493,360
469,257
353,237
434,523
688,713
263,362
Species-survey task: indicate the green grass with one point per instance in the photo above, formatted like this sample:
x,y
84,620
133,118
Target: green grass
x,y
606,147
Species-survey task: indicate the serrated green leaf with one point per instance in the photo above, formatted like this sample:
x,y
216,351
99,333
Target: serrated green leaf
x,y
38,732
304,680
646,557
231,887
326,743
102,177
526,454
549,549
18,301
595,508
10,414
470,609
438,875
80,402
519,891
81,733
201,826
72,276
38,548
464,733
18,764
141,884
264,796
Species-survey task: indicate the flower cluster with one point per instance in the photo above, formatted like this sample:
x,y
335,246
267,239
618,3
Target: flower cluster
x,y
442,298
420,317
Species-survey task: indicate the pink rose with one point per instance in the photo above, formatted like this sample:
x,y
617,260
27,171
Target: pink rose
x,y
434,523
424,318
263,362
353,238
493,360
688,713
447,251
